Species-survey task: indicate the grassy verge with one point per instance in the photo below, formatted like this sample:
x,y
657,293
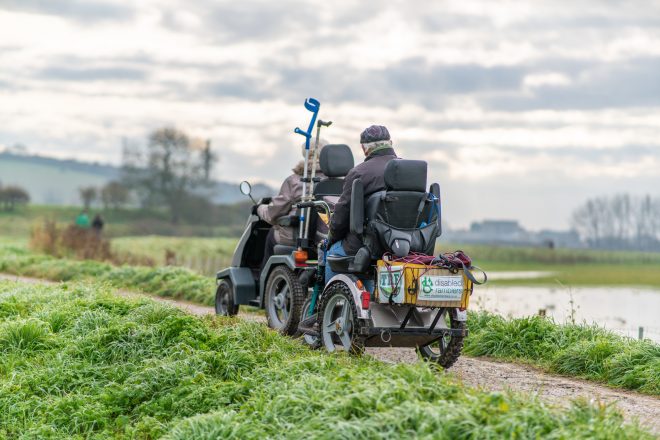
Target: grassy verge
x,y
573,350
578,350
77,363
168,282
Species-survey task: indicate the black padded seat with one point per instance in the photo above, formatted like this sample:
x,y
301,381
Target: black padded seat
x,y
336,160
281,249
340,264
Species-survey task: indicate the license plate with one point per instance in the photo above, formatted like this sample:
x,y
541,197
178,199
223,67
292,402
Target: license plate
x,y
440,288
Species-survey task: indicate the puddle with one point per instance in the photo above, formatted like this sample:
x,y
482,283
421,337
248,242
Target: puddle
x,y
621,309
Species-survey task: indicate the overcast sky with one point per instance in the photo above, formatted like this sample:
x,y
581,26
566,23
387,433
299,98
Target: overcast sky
x,y
523,109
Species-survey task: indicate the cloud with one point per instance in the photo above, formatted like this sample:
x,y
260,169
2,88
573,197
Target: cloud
x,y
494,95
80,10
606,85
91,74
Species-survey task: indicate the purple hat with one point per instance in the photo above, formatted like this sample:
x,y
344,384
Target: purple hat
x,y
374,133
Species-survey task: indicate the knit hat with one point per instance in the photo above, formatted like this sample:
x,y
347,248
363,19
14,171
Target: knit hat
x,y
374,133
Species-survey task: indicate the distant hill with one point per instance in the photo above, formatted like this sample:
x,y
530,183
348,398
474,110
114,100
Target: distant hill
x,y
53,181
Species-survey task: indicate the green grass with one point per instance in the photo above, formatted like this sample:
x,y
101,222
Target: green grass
x,y
554,347
168,282
577,350
82,363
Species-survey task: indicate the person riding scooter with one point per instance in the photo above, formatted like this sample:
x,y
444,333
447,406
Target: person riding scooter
x,y
377,147
284,204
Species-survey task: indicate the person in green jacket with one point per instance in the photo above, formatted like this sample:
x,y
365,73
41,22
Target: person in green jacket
x,y
82,221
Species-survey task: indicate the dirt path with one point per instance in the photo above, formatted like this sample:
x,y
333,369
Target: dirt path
x,y
483,373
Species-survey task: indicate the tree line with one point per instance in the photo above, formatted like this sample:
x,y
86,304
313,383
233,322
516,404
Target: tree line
x,y
12,196
620,221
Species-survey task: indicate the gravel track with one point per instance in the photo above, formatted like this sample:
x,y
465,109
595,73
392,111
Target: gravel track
x,y
481,373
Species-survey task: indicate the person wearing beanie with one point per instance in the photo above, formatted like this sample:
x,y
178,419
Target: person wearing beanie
x,y
377,147
284,204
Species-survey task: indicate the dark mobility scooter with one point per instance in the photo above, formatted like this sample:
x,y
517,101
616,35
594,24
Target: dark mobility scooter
x,y
418,300
282,286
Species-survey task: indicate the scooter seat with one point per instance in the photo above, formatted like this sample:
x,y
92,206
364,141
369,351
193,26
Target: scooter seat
x,y
340,264
282,249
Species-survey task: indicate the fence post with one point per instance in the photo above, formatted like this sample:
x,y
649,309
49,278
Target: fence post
x,y
640,333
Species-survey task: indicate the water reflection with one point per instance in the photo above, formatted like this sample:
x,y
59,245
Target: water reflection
x,y
621,309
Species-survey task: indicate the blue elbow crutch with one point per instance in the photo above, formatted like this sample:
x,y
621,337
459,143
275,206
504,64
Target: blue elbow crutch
x,y
313,106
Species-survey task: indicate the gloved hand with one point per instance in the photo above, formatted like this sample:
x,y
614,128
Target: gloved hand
x,y
265,200
254,210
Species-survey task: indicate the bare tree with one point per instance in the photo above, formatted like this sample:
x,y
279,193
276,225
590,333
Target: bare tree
x,y
168,171
11,196
88,195
619,221
114,195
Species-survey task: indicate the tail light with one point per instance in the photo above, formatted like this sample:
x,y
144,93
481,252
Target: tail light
x,y
300,257
366,299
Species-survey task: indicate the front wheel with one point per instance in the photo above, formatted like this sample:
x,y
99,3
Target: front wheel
x,y
446,350
224,299
339,323
284,298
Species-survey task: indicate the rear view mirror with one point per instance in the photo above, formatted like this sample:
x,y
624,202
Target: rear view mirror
x,y
246,188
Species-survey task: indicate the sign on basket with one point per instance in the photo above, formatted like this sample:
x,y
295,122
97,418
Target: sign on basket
x,y
440,288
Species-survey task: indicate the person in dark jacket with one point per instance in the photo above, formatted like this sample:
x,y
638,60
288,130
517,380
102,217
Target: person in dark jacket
x,y
377,147
97,224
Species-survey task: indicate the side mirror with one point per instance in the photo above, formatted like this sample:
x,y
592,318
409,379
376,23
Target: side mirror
x,y
357,207
246,188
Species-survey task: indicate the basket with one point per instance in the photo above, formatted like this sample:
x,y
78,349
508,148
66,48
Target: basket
x,y
423,286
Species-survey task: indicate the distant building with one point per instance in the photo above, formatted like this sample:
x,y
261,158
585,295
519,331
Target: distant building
x,y
511,233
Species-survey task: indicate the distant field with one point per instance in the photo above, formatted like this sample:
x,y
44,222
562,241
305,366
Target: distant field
x,y
569,267
205,255
123,222
148,233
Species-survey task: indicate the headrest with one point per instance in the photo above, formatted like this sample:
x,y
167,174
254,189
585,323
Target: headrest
x,y
336,160
405,175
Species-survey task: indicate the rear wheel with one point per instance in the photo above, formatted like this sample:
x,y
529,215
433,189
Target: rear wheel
x,y
224,299
339,323
284,298
446,350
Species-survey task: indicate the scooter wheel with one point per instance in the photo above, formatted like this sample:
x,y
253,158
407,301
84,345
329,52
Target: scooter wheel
x,y
224,299
284,296
446,351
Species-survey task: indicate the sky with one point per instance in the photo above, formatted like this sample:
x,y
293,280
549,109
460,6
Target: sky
x,y
523,110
